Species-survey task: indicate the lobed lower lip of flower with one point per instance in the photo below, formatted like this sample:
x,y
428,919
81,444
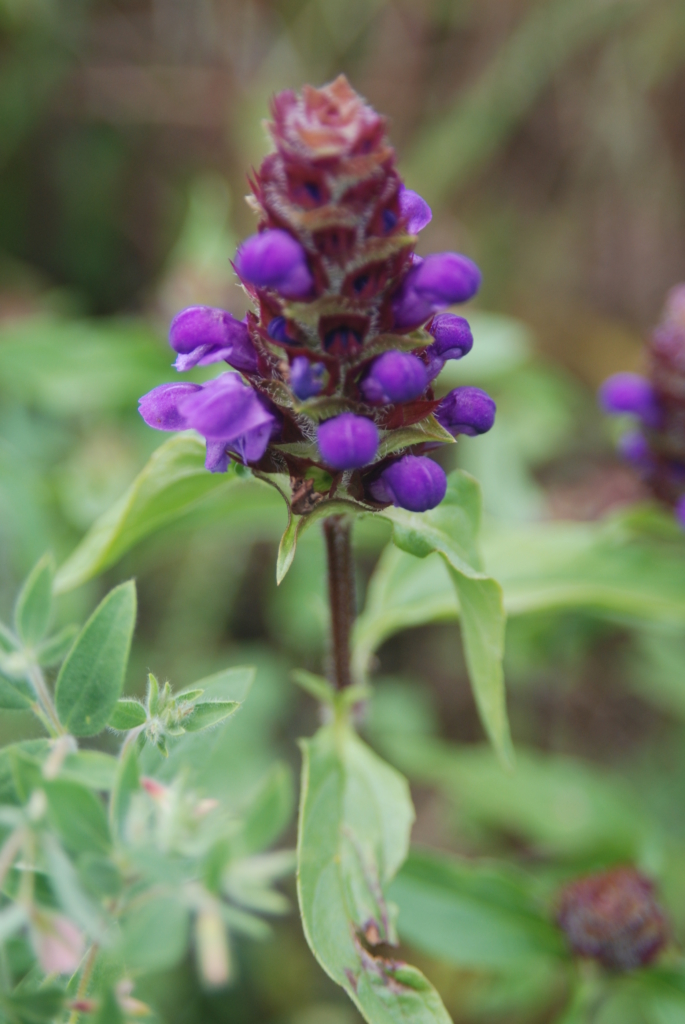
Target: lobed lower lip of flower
x,y
348,441
202,335
415,211
412,482
394,377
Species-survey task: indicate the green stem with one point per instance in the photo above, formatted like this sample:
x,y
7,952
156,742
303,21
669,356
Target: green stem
x,y
37,680
338,533
84,981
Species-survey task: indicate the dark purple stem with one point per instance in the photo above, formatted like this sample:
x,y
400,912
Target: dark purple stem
x,y
338,533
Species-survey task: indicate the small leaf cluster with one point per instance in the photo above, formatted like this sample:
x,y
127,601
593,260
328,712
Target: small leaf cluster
x,y
106,871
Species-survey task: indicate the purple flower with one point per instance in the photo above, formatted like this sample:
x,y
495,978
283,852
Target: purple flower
x,y
202,335
394,377
278,330
348,441
630,393
466,410
414,210
160,407
274,259
438,281
413,482
306,379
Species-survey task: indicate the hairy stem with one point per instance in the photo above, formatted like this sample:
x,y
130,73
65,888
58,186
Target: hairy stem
x,y
338,533
37,680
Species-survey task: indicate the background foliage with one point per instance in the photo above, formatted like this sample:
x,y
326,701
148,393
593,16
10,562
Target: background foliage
x,y
548,136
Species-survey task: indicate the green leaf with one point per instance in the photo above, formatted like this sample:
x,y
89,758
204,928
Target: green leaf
x,y
90,768
34,603
8,787
109,1011
173,481
42,1006
15,694
286,547
92,677
154,934
55,648
556,805
127,782
451,530
268,810
298,524
78,816
8,641
69,892
428,429
355,817
472,915
209,713
127,714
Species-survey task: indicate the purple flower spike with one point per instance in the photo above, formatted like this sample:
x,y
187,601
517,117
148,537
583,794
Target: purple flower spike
x,y
202,335
228,410
306,379
160,407
466,410
348,441
414,210
394,377
412,482
274,259
630,393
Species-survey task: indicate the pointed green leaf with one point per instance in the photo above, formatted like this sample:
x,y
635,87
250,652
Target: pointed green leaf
x,y
154,934
36,1006
78,816
208,713
92,677
172,482
127,782
69,892
34,603
127,714
55,649
355,817
8,641
451,530
286,548
15,694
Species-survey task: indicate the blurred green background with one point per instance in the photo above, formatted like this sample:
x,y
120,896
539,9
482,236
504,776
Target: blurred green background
x,y
549,137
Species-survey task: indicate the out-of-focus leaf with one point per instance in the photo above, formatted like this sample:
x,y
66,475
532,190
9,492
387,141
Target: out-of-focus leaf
x,y
92,677
15,694
355,817
31,748
78,816
90,768
268,810
472,915
173,481
55,648
451,530
208,713
34,602
109,1011
67,887
40,1006
127,714
126,783
555,804
154,934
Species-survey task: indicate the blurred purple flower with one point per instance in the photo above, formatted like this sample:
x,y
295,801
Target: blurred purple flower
x,y
202,335
160,407
414,210
348,441
630,393
274,259
438,281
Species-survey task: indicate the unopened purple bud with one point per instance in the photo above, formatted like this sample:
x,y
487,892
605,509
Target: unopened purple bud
x,y
447,277
202,335
274,259
278,330
414,210
466,410
228,410
160,407
348,441
453,340
394,377
634,447
413,482
306,379
630,393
